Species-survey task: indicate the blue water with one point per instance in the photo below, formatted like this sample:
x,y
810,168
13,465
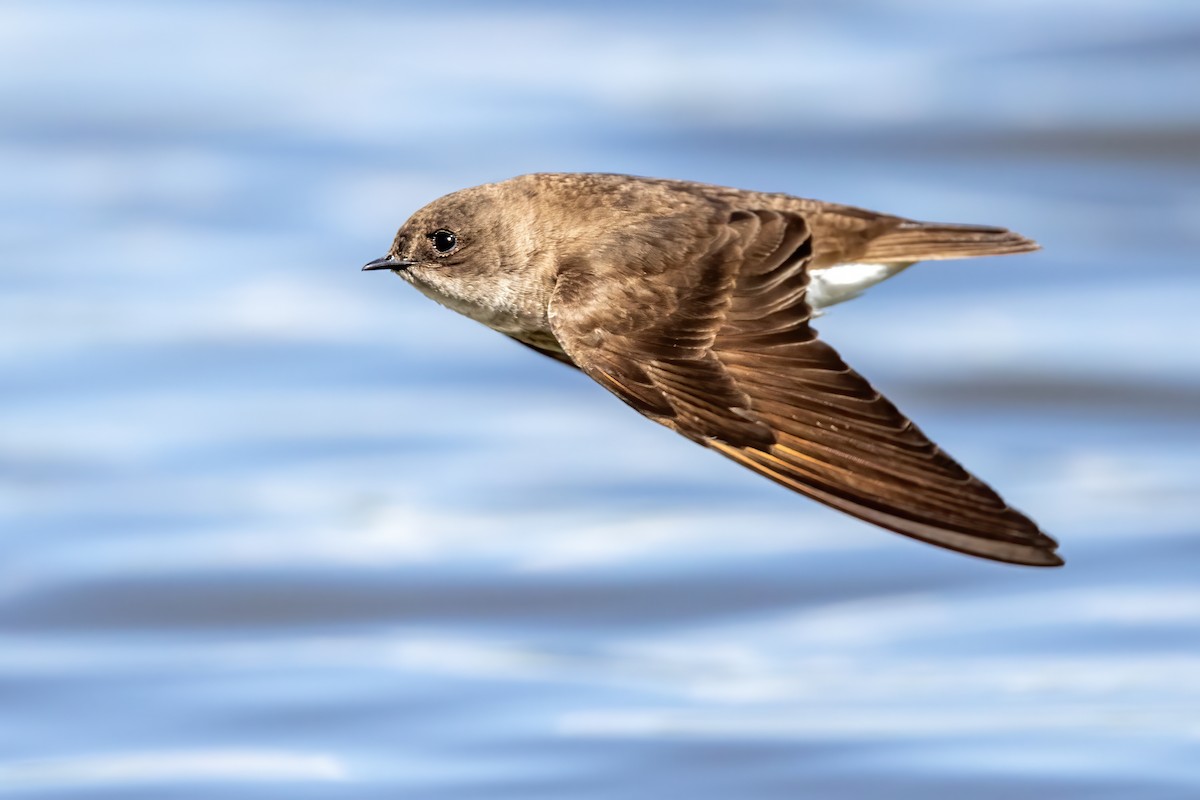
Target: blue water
x,y
270,527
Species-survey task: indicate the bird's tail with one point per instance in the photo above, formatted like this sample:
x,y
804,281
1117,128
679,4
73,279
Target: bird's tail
x,y
928,241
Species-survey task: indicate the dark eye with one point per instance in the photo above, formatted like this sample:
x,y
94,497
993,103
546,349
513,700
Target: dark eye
x,y
443,241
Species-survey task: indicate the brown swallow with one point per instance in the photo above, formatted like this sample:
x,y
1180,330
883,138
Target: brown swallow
x,y
693,304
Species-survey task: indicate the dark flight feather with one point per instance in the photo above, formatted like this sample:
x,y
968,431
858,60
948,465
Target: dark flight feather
x,y
733,363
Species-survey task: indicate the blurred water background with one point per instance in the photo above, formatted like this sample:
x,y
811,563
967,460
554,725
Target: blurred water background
x,y
270,527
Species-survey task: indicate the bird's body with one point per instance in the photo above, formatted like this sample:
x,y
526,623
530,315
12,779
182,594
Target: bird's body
x,y
692,304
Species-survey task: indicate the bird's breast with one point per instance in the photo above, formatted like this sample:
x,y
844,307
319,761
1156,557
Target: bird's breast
x,y
513,313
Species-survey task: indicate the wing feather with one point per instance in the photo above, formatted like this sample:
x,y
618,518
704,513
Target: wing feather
x,y
733,363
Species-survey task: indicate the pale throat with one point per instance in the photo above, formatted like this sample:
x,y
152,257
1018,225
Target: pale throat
x,y
505,302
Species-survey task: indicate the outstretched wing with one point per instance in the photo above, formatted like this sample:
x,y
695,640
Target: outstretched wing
x,y
725,355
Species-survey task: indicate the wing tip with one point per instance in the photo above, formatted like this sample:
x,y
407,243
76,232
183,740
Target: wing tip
x,y
1038,551
1041,558
1015,540
1025,555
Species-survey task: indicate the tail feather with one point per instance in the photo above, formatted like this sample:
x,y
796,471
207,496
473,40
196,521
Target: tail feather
x,y
929,241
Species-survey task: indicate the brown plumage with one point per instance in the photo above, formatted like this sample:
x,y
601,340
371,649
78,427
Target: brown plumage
x,y
693,303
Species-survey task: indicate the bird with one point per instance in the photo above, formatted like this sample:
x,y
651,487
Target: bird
x,y
693,303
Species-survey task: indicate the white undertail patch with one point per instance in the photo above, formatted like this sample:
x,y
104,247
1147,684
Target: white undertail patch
x,y
842,282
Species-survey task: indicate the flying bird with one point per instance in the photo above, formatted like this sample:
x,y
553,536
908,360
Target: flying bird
x,y
693,304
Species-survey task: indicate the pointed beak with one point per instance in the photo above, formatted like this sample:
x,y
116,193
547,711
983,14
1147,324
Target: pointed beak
x,y
388,262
